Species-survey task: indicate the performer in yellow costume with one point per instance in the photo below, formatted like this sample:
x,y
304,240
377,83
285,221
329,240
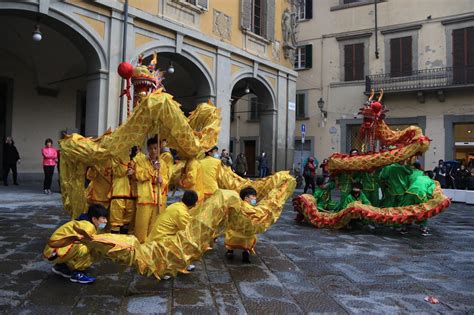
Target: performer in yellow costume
x,y
151,174
201,175
239,238
121,204
98,190
71,259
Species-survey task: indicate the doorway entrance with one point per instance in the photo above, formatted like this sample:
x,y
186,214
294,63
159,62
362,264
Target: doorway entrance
x,y
250,150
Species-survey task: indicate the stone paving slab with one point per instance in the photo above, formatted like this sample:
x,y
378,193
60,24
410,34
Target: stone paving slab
x,y
298,269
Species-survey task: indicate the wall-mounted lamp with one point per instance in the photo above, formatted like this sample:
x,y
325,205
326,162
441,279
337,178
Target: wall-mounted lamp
x,y
324,113
171,68
37,35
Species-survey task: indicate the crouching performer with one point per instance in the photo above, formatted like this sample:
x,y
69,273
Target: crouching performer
x,y
71,259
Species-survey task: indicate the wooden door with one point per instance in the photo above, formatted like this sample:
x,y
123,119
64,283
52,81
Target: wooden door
x,y
250,148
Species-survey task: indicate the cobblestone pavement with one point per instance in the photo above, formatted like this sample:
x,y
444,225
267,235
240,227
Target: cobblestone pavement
x,y
298,269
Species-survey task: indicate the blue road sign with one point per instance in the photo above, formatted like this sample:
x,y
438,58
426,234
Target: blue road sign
x,y
303,128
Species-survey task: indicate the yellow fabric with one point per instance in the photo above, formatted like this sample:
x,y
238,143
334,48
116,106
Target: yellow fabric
x,y
201,176
208,220
147,182
175,218
159,114
144,219
75,255
118,210
100,184
243,236
120,180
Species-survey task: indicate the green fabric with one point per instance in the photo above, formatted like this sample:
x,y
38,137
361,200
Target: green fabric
x,y
323,197
395,177
391,200
373,196
344,181
350,198
420,191
414,175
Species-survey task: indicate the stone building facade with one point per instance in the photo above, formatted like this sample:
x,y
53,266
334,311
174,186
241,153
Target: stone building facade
x,y
420,52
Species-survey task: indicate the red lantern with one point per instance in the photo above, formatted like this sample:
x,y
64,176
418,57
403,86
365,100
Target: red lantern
x,y
125,70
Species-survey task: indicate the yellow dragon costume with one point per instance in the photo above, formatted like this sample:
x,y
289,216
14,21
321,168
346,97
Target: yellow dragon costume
x,y
222,212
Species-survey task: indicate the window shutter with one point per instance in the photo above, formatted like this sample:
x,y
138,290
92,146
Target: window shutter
x,y
359,62
203,4
395,66
348,65
270,21
300,105
309,56
246,14
470,54
458,55
407,55
309,9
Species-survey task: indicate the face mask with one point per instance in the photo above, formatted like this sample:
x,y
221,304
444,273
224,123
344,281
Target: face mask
x,y
216,156
102,226
253,202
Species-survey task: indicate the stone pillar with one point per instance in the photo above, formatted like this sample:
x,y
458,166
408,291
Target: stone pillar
x,y
268,134
96,104
291,122
223,95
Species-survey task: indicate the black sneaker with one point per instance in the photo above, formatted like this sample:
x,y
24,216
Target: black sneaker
x,y
62,270
229,254
246,257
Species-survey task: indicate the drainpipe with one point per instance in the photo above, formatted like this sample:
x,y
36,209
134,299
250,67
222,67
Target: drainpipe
x,y
376,32
124,54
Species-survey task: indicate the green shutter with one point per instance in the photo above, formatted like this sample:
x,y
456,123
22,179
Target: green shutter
x,y
309,56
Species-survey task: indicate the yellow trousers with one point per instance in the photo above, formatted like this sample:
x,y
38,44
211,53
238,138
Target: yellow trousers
x,y
122,212
233,241
76,256
144,218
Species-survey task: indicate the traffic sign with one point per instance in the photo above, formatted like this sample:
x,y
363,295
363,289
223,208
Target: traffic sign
x,y
303,128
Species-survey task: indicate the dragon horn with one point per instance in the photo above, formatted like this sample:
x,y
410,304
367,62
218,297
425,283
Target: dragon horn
x,y
381,95
372,93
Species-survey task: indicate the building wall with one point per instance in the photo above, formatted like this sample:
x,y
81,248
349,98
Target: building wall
x,y
334,25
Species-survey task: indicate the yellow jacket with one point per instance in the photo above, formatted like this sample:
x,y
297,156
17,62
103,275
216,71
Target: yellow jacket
x,y
60,236
120,181
201,176
175,218
147,181
100,185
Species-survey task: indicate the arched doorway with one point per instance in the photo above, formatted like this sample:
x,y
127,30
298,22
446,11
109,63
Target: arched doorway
x,y
188,84
252,122
47,86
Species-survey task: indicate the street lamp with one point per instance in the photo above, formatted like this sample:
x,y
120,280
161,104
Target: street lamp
x,y
171,68
247,89
324,113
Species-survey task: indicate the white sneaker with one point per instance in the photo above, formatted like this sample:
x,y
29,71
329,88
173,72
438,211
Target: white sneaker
x,y
166,277
190,267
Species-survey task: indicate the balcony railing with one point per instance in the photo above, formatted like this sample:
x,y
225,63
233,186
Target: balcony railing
x,y
420,80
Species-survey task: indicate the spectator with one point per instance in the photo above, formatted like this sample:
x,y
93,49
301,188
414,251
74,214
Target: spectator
x,y
461,177
241,165
225,158
10,159
440,173
263,165
309,174
450,170
50,158
325,168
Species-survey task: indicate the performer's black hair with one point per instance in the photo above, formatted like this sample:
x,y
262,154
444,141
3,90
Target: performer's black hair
x,y
417,165
189,198
357,185
48,140
96,211
319,181
247,191
212,149
153,140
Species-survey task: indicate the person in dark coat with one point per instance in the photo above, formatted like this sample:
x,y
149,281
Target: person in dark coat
x,y
440,173
461,177
10,159
263,165
240,165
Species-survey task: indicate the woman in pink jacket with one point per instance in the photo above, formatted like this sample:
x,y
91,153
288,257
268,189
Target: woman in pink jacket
x,y
50,157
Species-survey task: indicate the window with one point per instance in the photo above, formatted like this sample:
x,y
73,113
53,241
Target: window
x,y
401,56
463,55
304,57
232,111
354,62
254,110
305,10
202,4
258,17
301,105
